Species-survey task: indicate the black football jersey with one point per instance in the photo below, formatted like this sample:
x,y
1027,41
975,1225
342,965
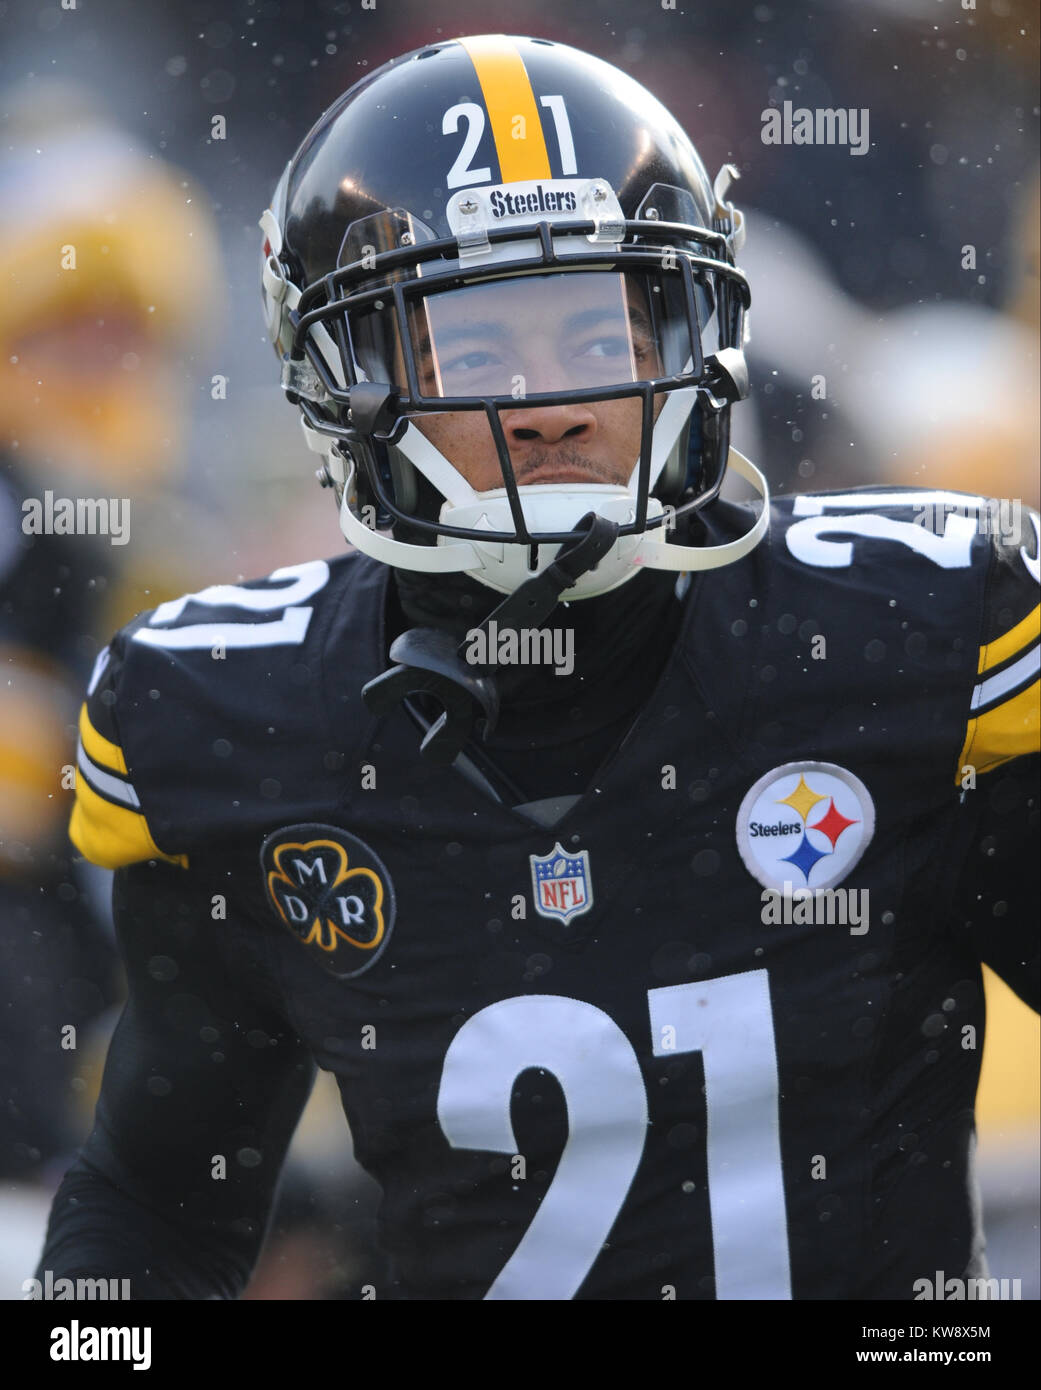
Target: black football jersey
x,y
711,1029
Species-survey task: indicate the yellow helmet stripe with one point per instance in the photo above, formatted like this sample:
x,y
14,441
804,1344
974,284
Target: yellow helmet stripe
x,y
512,109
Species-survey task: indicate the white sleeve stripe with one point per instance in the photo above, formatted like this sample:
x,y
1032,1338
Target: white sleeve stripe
x,y
1021,672
99,670
112,787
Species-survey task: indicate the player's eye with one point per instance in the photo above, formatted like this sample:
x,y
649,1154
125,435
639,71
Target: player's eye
x,y
474,360
617,354
613,346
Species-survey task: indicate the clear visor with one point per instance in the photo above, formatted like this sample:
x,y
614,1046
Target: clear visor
x,y
536,334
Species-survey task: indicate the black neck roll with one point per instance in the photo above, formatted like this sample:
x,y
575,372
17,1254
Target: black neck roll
x,y
620,643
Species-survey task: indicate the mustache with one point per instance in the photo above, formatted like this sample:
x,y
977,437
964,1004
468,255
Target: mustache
x,y
557,456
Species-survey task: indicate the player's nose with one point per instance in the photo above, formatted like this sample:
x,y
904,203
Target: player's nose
x,y
549,424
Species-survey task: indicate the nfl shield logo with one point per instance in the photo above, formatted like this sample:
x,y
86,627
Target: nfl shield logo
x,y
562,883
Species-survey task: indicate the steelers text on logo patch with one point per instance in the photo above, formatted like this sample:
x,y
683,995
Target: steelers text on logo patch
x,y
804,825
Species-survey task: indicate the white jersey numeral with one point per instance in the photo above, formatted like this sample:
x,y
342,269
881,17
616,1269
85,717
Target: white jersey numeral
x,y
289,630
1033,562
729,1021
597,1069
806,540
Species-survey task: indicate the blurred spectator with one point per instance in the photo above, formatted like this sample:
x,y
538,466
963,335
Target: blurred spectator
x,y
110,274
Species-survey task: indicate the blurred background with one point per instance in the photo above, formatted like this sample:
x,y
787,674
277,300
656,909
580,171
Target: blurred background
x,y
907,278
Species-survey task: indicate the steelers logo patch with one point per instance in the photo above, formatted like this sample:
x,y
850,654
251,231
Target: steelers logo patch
x,y
332,892
804,825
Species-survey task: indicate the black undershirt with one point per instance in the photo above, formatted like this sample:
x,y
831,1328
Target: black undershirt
x,y
622,641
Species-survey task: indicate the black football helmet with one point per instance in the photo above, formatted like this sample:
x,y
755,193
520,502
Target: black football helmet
x,y
437,217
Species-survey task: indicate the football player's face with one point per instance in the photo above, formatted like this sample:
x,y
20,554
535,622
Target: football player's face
x,y
523,337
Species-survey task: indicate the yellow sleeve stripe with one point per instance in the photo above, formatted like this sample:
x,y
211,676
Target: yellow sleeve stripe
x,y
112,836
506,88
1008,731
98,748
994,653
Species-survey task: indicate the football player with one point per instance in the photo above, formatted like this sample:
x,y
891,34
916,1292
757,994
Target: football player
x,y
629,855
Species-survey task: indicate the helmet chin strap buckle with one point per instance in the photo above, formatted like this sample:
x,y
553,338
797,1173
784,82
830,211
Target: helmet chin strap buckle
x,y
429,662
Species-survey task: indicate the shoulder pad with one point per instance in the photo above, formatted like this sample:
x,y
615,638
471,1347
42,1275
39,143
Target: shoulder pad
x,y
108,826
993,543
176,691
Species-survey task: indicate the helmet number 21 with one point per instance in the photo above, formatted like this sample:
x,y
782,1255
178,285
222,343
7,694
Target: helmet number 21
x,y
461,175
730,1022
